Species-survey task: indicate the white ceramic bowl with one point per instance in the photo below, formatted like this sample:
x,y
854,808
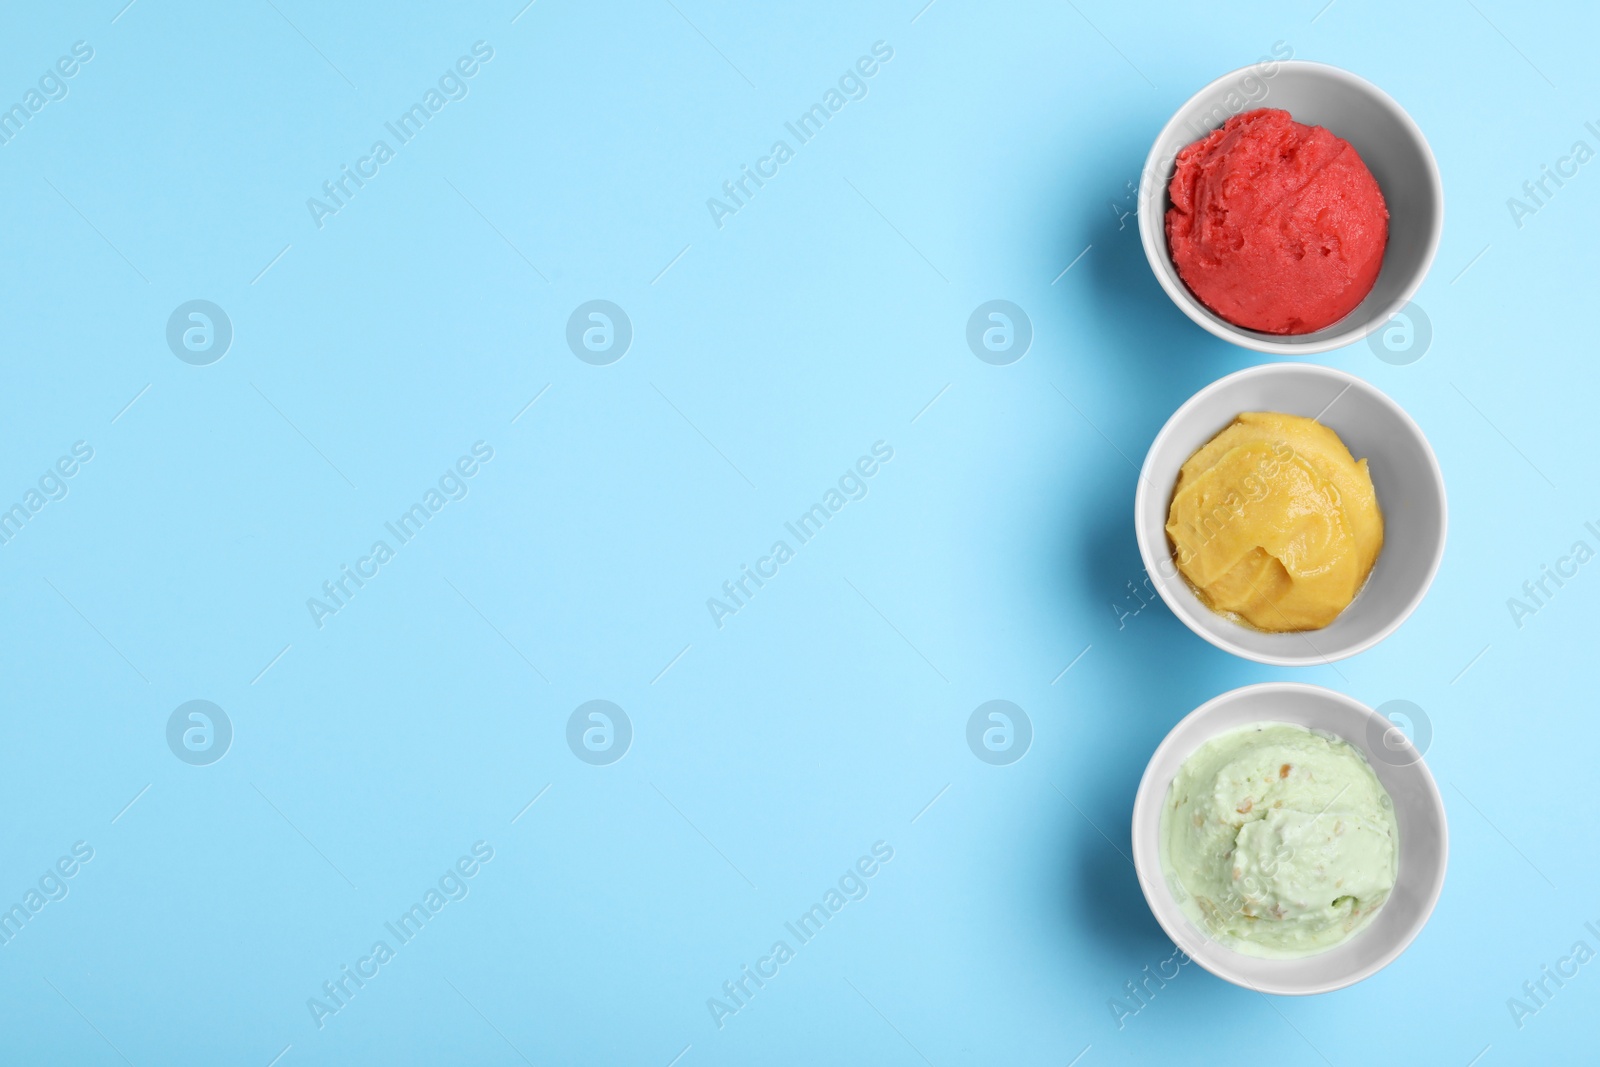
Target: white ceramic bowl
x,y
1419,810
1389,143
1405,473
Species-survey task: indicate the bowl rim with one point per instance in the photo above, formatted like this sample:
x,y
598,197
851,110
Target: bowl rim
x,y
1151,887
1152,226
1147,552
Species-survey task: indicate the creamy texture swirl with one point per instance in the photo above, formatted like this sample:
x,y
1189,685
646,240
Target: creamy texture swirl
x,y
1277,841
1274,523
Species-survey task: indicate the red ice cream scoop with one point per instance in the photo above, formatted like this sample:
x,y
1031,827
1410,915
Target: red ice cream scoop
x,y
1275,225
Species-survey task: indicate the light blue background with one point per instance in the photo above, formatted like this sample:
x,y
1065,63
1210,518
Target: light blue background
x,y
989,153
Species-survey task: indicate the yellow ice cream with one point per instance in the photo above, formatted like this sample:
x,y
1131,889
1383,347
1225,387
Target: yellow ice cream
x,y
1274,523
1278,841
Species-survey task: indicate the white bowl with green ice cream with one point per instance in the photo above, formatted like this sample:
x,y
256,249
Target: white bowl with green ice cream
x,y
1289,839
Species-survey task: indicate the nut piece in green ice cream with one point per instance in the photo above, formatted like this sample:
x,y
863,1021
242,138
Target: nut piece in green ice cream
x,y
1277,841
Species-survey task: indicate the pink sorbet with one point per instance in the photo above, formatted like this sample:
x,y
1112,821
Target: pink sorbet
x,y
1275,225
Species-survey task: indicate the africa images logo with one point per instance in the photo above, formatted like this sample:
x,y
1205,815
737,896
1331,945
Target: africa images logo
x,y
452,85
599,732
852,485
452,886
850,887
852,85
999,733
52,87
199,332
338,592
199,733
999,332
599,332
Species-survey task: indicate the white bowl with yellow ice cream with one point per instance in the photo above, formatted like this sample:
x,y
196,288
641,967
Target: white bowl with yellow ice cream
x,y
1289,838
1291,514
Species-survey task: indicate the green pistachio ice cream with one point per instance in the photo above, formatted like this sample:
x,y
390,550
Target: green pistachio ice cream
x,y
1277,841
